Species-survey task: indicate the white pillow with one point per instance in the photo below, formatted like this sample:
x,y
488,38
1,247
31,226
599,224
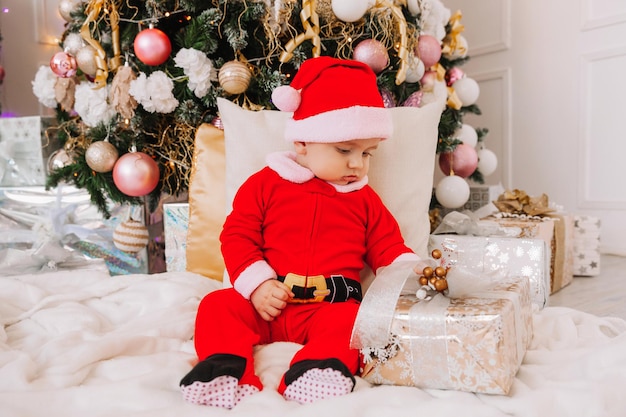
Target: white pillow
x,y
401,170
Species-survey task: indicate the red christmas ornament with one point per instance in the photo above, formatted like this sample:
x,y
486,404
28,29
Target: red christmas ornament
x,y
428,50
463,161
2,74
152,46
63,65
136,174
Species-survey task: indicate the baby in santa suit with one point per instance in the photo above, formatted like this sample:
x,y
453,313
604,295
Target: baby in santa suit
x,y
299,234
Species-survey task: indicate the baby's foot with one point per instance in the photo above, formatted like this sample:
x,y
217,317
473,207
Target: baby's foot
x,y
309,381
215,382
223,391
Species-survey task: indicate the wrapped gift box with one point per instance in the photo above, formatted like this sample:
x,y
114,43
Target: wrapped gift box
x,y
529,258
25,149
175,224
557,230
475,343
586,245
31,217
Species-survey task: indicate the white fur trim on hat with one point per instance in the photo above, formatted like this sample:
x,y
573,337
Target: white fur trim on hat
x,y
357,122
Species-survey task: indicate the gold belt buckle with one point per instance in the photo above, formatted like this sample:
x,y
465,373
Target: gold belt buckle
x,y
317,281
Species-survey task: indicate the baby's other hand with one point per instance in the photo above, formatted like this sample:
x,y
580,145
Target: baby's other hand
x,y
270,298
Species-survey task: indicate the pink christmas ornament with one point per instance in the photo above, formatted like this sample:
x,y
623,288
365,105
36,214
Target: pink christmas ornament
x,y
453,75
428,50
428,80
373,53
462,161
152,46
136,174
388,100
413,100
63,65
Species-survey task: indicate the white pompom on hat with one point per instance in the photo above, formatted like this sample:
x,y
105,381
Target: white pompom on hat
x,y
333,100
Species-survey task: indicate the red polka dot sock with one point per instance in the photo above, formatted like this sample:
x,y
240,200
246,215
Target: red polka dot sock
x,y
223,391
318,383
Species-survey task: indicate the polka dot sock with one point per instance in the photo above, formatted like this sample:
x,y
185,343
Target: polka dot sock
x,y
317,384
223,391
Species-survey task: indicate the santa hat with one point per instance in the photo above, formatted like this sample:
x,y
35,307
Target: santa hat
x,y
333,100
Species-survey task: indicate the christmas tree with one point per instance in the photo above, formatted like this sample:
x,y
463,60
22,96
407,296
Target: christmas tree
x,y
135,79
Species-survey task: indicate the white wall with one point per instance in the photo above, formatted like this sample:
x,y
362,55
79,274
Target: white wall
x,y
552,93
24,29
552,90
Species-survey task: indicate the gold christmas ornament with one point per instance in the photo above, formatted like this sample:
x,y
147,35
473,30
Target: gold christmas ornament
x,y
234,77
86,60
101,156
130,236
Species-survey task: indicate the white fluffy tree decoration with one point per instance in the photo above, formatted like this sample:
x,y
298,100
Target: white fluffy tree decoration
x,y
198,69
154,93
92,104
43,86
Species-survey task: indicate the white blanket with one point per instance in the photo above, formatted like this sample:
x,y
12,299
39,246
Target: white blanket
x,y
80,343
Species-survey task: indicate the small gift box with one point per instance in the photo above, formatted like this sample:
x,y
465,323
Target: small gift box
x,y
586,245
528,258
25,149
473,342
175,224
534,217
32,218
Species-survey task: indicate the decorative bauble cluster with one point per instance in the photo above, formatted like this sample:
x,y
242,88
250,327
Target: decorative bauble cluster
x,y
435,278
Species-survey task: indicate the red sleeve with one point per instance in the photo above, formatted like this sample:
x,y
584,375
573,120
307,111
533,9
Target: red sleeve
x,y
241,237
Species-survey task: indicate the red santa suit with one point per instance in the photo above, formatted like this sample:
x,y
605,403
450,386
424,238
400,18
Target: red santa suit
x,y
285,221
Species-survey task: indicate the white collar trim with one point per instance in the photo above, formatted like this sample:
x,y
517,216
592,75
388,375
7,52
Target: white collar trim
x,y
285,165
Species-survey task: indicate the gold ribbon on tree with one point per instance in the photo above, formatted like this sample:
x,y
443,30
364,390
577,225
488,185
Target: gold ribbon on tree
x,y
403,52
311,24
93,11
451,42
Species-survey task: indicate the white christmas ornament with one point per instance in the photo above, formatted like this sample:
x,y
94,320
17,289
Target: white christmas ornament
x,y
487,161
452,191
350,10
467,134
467,90
415,71
73,43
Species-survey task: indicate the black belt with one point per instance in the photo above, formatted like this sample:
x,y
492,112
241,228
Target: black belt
x,y
313,289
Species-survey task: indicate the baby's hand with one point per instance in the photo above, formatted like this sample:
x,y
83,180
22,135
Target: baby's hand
x,y
270,298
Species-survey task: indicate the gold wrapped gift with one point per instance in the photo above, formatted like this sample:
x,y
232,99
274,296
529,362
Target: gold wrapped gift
x,y
474,343
557,230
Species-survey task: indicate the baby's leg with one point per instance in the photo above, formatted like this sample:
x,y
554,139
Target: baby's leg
x,y
326,365
227,329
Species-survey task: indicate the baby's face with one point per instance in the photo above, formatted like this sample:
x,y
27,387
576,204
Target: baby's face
x,y
339,163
